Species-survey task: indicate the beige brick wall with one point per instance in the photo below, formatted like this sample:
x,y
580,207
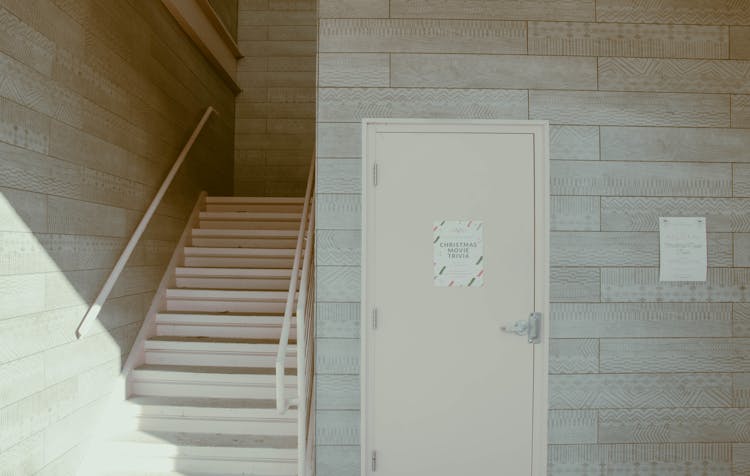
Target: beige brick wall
x,y
96,99
650,113
275,128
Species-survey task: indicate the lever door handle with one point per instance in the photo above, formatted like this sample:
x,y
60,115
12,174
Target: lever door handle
x,y
530,327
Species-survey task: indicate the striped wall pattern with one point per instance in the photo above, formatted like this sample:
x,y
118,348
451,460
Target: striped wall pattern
x,y
275,113
96,99
650,116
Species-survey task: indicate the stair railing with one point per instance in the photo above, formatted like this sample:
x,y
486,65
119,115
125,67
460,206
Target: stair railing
x,y
96,306
303,311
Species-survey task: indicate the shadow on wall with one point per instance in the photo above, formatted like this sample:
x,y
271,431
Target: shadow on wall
x,y
62,228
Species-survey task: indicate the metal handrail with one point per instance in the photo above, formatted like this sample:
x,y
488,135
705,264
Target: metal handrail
x,y
96,306
282,403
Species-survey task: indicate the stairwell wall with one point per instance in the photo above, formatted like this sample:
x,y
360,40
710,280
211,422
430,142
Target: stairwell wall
x,y
97,97
650,110
276,109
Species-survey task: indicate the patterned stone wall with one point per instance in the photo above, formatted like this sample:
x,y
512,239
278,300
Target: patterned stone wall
x,y
97,97
650,110
275,127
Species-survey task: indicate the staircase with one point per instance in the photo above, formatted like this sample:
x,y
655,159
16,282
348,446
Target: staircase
x,y
203,386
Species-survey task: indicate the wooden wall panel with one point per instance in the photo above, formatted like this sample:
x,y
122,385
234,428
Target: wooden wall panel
x,y
700,12
422,36
96,100
564,10
650,117
628,40
493,72
276,111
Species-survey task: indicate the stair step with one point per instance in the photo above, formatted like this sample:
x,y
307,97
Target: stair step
x,y
216,351
201,453
255,207
288,243
234,283
238,233
240,252
249,225
219,199
227,295
209,382
230,262
233,272
208,415
231,307
252,216
221,325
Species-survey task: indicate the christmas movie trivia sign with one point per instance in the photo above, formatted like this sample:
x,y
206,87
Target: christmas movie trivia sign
x,y
458,253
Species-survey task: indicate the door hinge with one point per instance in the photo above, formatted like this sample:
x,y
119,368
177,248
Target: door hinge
x,y
374,318
374,461
375,174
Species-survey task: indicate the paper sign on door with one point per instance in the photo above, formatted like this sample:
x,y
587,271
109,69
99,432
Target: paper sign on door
x,y
458,253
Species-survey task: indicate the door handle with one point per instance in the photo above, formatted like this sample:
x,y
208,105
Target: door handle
x,y
530,327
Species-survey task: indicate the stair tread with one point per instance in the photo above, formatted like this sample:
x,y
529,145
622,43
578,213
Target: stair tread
x,y
214,440
264,273
204,402
217,340
235,199
222,314
240,233
243,215
201,369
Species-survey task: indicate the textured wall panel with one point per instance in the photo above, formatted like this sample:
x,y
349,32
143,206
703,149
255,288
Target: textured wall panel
x,y
742,250
649,320
339,175
642,285
354,70
624,249
338,212
740,42
675,144
741,319
337,356
741,458
574,284
352,105
337,428
628,459
339,140
643,74
492,72
338,461
640,391
741,388
422,36
338,247
642,214
640,179
338,283
337,392
741,111
353,8
564,10
703,425
574,142
573,356
574,213
334,319
675,355
702,12
630,109
628,40
572,426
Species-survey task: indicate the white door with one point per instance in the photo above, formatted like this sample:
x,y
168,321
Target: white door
x,y
454,248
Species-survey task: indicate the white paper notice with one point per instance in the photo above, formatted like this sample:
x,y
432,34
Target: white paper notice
x,y
682,249
458,253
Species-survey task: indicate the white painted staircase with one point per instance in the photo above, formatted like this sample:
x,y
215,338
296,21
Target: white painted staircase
x,y
202,388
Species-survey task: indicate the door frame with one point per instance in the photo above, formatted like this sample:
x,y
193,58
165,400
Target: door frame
x,y
540,131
